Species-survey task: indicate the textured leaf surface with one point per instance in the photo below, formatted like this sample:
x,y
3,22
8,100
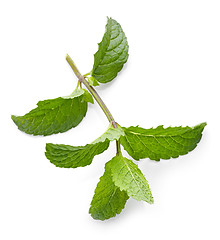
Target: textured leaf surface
x,y
161,143
128,177
112,53
55,115
108,199
67,156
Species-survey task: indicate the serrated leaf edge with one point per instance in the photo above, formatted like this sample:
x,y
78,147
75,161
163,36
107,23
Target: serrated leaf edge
x,y
203,124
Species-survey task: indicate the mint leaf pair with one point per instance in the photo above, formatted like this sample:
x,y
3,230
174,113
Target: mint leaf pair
x,y
63,113
122,178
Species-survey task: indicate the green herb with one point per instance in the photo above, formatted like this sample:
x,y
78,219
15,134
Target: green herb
x,y
71,157
160,143
112,53
108,199
122,177
55,115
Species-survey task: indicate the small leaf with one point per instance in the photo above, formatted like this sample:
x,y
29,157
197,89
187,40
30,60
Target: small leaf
x,y
128,177
88,97
161,143
76,93
55,115
92,81
111,134
67,156
112,53
108,199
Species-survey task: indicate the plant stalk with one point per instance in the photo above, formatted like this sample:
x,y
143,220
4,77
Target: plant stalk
x,y
95,95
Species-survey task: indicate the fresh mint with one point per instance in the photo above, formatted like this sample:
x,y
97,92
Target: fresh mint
x,y
161,143
72,157
112,53
55,115
128,177
108,199
122,178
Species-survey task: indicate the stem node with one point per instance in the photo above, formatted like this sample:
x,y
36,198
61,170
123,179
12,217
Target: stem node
x,y
98,99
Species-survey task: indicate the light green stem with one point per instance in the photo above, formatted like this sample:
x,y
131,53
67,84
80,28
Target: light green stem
x,y
92,90
95,95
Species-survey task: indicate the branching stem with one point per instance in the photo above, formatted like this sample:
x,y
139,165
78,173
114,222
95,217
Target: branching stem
x,y
95,95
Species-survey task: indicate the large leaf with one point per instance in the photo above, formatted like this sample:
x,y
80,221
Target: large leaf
x,y
71,157
108,199
112,53
161,143
55,115
128,177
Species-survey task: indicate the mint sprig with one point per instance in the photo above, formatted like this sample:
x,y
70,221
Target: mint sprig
x,y
122,178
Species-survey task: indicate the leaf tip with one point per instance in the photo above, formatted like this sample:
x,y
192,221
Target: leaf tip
x,y
47,146
201,126
13,117
151,201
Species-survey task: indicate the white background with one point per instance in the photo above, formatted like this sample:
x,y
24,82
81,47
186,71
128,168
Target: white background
x,y
171,78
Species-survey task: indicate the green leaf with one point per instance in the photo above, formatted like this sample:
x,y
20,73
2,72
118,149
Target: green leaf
x,y
112,53
67,156
55,115
111,134
92,81
108,199
161,143
128,177
88,97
